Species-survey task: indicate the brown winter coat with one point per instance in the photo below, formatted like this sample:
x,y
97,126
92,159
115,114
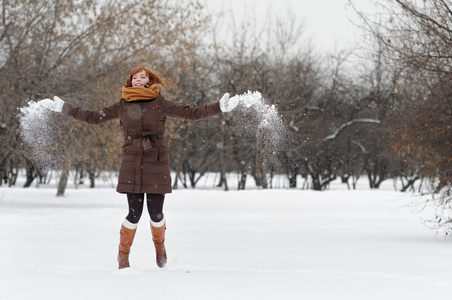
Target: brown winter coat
x,y
145,160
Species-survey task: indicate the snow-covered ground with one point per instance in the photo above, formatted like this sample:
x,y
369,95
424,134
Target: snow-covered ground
x,y
252,244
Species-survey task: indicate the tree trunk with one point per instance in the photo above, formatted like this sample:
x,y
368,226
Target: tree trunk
x,y
63,182
316,184
354,181
344,179
293,173
409,184
31,174
222,162
13,177
92,177
242,181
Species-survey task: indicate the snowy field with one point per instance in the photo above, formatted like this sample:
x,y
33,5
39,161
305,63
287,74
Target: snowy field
x,y
252,244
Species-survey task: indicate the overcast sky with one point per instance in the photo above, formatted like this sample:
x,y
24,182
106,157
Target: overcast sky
x,y
327,22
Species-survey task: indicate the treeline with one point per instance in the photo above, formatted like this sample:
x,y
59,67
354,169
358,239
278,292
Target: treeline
x,y
387,115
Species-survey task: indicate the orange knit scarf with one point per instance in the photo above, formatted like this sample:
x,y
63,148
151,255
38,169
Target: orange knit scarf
x,y
140,93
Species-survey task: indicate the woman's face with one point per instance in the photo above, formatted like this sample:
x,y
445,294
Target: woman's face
x,y
140,79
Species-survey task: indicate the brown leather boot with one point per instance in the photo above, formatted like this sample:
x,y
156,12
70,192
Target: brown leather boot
x,y
125,242
158,236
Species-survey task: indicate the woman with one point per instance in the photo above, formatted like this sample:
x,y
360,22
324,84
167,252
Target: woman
x,y
145,162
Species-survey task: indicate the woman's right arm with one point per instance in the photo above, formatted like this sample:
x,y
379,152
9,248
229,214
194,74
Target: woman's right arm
x,y
91,116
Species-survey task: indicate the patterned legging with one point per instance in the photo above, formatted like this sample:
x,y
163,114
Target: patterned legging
x,y
136,204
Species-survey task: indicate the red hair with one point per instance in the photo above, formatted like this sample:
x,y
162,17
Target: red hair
x,y
153,77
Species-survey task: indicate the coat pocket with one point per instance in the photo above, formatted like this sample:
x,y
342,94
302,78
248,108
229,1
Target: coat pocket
x,y
129,151
163,155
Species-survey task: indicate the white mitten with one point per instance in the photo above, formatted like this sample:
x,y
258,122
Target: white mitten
x,y
228,104
56,104
47,103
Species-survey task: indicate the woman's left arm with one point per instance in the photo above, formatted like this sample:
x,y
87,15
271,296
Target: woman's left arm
x,y
175,109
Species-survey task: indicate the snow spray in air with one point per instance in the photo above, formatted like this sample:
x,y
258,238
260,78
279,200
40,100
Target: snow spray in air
x,y
260,119
38,126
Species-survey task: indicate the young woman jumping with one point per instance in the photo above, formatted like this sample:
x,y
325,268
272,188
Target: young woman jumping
x,y
144,169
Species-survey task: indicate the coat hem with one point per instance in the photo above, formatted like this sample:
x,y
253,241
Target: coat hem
x,y
144,191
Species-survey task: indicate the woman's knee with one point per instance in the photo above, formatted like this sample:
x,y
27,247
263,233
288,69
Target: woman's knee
x,y
134,216
155,206
156,217
135,202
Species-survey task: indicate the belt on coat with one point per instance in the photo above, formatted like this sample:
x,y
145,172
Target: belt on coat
x,y
148,139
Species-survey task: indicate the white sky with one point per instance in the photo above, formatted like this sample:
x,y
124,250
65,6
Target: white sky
x,y
327,22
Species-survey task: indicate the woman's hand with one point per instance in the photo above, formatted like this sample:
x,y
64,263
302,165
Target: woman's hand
x,y
228,104
56,104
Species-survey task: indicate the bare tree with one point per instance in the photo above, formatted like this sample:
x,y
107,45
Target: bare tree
x,y
418,37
